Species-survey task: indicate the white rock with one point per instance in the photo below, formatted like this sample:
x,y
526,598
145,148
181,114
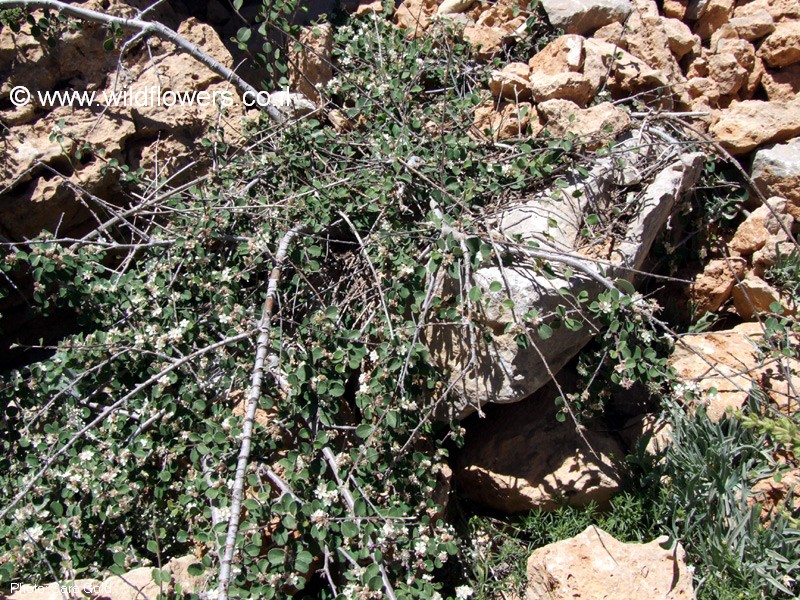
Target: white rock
x,y
584,16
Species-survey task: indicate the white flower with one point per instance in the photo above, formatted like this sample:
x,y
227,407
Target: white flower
x,y
34,533
86,455
463,592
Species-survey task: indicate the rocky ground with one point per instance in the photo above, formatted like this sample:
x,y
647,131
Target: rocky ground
x,y
726,72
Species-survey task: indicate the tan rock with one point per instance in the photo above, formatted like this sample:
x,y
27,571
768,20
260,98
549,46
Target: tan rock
x,y
716,14
415,15
753,296
698,64
751,123
776,172
726,71
704,91
725,32
594,126
507,16
753,26
780,10
675,9
561,55
487,42
506,121
512,82
594,565
782,85
137,584
310,65
714,285
647,40
613,33
754,81
520,458
575,87
724,361
620,71
752,234
768,255
584,16
680,38
772,493
38,200
782,47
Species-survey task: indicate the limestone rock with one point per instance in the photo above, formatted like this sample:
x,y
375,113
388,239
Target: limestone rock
x,y
613,33
675,9
453,6
507,16
772,495
751,123
508,120
753,296
584,16
753,26
137,584
780,10
623,73
728,361
520,458
715,15
147,130
776,172
782,85
559,56
752,234
594,126
680,38
507,372
486,41
595,565
415,15
726,71
575,87
512,82
310,67
782,47
714,285
647,39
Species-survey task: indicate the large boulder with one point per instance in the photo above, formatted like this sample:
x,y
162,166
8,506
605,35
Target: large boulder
x,y
584,16
521,457
503,370
594,565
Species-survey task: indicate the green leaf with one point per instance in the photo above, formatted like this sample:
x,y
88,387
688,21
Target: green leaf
x,y
545,331
364,430
625,285
244,34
